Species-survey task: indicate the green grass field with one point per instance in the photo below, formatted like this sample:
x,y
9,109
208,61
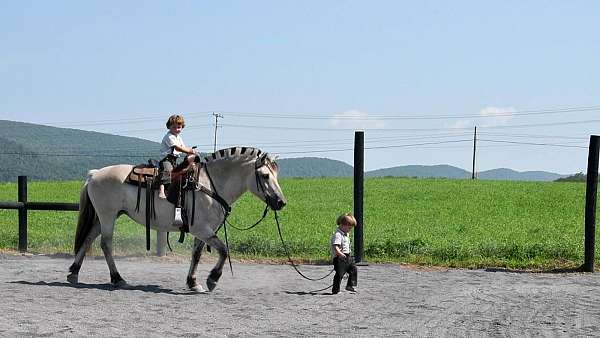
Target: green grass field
x,y
459,223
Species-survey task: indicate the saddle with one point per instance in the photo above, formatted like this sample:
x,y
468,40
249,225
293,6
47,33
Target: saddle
x,y
145,175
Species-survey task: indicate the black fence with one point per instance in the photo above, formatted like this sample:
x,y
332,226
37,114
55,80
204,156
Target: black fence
x,y
22,205
590,204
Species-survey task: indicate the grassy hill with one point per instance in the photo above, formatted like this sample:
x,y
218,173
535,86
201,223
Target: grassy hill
x,y
512,175
50,153
422,171
314,167
43,152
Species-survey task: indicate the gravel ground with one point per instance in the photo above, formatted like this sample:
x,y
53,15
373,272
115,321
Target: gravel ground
x,y
272,300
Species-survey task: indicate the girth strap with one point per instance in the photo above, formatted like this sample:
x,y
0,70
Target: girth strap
x,y
148,211
139,191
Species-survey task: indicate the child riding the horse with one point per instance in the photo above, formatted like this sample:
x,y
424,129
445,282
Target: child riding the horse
x,y
171,148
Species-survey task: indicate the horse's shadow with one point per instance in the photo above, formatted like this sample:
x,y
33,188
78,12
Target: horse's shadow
x,y
550,271
308,293
107,287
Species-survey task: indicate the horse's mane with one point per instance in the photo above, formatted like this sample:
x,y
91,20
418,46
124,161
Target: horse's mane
x,y
233,153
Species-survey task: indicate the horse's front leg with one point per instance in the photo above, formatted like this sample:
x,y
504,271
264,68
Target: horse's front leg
x,y
196,254
217,270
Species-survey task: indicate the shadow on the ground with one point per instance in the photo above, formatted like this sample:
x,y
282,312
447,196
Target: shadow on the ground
x,y
557,270
308,293
107,287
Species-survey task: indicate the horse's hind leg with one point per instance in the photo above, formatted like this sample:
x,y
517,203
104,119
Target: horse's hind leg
x,y
73,277
217,270
106,243
196,254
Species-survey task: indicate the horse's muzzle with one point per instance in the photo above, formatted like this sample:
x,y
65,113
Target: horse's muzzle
x,y
276,203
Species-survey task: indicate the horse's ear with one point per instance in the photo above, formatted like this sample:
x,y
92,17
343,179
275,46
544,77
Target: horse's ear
x,y
262,159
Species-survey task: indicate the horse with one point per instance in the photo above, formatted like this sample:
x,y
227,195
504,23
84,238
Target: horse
x,y
224,176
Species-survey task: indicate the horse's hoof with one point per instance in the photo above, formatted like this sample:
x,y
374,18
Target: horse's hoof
x,y
73,278
211,284
197,289
121,284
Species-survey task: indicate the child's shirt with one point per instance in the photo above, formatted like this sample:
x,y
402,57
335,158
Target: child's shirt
x,y
342,239
169,141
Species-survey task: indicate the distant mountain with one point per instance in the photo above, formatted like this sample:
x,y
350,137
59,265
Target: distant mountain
x,y
446,171
314,167
511,175
50,153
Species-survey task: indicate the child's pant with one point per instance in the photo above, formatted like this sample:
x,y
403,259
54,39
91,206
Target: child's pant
x,y
165,168
342,266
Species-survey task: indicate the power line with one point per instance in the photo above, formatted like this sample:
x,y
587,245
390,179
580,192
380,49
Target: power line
x,y
331,150
424,117
535,144
379,147
77,155
536,136
412,129
139,118
157,117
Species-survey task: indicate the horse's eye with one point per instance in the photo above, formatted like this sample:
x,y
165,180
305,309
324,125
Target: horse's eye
x,y
265,176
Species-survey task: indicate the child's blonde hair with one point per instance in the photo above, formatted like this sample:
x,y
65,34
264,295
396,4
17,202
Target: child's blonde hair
x,y
346,218
175,119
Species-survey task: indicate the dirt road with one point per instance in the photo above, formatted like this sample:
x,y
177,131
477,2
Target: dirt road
x,y
272,300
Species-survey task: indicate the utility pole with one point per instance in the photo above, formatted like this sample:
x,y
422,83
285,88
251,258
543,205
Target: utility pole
x,y
474,149
217,116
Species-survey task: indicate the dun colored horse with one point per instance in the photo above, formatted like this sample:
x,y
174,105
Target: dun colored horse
x,y
227,173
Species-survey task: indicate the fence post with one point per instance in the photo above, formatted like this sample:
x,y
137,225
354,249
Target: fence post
x,y
359,156
161,243
22,197
590,204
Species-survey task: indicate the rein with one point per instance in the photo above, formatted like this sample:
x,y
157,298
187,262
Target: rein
x,y
287,252
253,225
226,208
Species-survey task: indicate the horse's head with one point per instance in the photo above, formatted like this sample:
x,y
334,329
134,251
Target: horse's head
x,y
267,187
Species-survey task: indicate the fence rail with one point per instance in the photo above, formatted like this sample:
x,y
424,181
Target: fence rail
x,y
40,206
22,205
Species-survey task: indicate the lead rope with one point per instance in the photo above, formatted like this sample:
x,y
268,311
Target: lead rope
x,y
253,225
290,258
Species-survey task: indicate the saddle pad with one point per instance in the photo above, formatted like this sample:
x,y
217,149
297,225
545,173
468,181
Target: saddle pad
x,y
140,173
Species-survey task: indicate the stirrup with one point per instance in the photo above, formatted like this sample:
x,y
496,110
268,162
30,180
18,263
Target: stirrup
x,y
178,221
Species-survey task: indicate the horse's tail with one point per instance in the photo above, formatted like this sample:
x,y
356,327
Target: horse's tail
x,y
87,216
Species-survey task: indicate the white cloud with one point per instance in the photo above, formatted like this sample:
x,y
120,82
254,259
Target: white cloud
x,y
496,116
354,119
489,116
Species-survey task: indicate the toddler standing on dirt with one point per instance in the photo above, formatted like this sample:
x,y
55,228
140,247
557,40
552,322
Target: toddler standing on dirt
x,y
340,251
171,147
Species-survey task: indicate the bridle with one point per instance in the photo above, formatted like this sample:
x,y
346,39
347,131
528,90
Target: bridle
x,y
263,161
226,208
260,162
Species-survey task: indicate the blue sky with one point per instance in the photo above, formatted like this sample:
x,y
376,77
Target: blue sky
x,y
296,78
